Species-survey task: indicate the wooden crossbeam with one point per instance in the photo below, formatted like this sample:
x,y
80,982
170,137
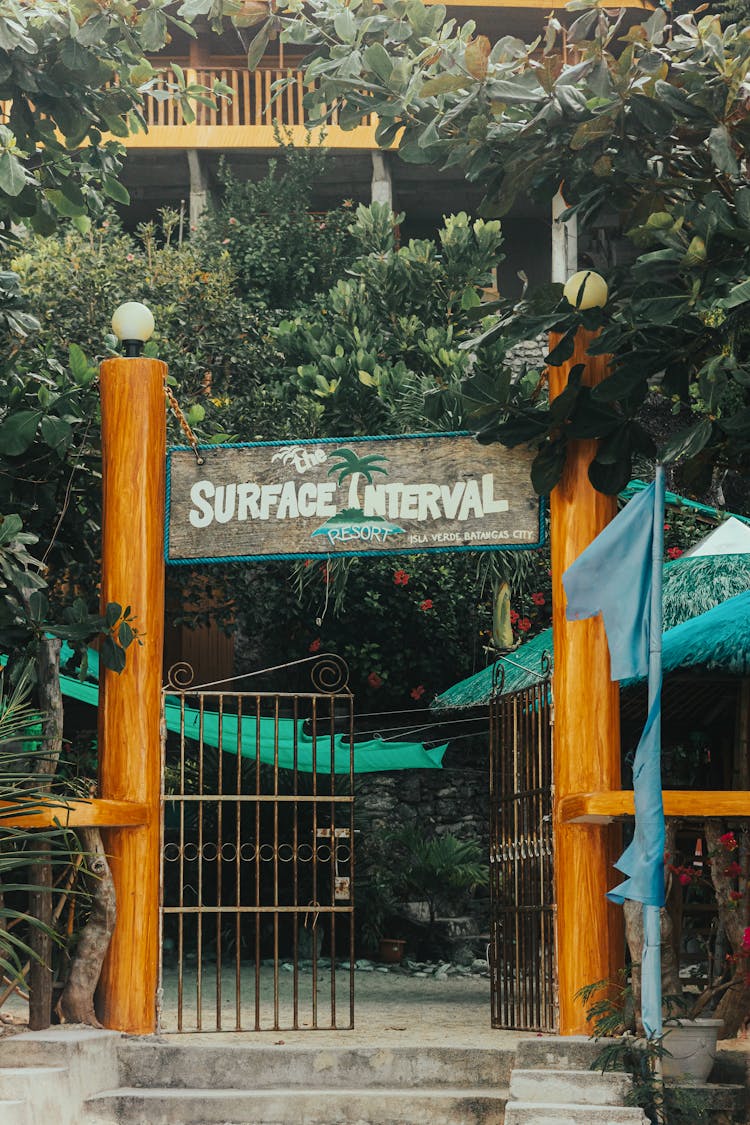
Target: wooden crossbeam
x,y
603,808
76,814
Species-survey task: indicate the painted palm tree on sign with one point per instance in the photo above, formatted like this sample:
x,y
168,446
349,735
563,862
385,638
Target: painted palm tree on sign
x,y
349,463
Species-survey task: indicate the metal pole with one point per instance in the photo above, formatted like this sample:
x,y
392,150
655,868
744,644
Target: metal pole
x,y
651,962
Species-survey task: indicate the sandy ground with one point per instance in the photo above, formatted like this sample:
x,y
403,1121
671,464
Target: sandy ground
x,y
388,1007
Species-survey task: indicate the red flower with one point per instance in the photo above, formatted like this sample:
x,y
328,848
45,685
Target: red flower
x,y
675,552
728,841
735,896
685,879
524,625
513,617
746,941
538,599
400,577
667,526
426,604
374,680
417,692
733,869
315,645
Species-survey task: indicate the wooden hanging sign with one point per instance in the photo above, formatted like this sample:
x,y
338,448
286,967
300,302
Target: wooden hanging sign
x,y
415,494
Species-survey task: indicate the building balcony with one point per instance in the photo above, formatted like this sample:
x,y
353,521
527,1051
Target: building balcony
x,y
246,120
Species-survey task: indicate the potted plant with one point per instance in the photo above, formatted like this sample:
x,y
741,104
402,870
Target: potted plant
x,y
693,1020
406,879
436,870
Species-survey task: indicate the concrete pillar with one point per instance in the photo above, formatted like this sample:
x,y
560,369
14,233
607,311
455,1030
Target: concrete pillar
x,y
564,241
382,181
199,194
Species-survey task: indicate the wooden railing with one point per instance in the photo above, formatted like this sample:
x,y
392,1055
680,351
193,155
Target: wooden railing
x,y
255,100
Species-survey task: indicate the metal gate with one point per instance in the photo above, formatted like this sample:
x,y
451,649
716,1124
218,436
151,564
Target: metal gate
x,y
522,957
257,908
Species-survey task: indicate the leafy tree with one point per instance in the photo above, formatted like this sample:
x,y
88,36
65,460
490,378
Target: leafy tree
x,y
393,331
283,252
647,130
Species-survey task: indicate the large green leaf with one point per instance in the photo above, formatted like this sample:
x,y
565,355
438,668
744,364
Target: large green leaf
x,y
443,84
593,130
13,176
379,61
652,113
612,477
345,25
258,46
720,146
63,205
547,467
620,384
112,655
56,433
738,295
18,431
115,190
688,442
742,203
562,350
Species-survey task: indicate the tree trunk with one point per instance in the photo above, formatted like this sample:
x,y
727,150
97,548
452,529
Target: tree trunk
x,y
734,1006
40,899
76,1005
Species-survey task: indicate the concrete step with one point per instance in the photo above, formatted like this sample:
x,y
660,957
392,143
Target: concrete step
x,y
283,1106
559,1052
42,1088
580,1087
534,1113
55,1070
14,1113
80,1049
246,1066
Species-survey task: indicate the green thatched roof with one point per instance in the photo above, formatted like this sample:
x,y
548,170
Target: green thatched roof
x,y
695,584
527,665
718,640
692,586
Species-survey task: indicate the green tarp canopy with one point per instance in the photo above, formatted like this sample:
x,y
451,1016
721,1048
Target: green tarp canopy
x,y
295,746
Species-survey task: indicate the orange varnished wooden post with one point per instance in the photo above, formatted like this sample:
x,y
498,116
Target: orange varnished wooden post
x,y
133,471
587,731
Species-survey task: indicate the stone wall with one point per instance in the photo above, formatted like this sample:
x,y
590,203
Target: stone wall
x,y
452,800
455,801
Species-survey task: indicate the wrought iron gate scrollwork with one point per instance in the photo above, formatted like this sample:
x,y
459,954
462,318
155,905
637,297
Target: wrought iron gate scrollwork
x,y
257,908
522,956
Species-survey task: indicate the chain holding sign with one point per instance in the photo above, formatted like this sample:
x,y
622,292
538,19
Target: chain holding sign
x,y
414,494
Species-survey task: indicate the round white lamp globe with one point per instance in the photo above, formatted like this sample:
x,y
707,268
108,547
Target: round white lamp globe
x,y
133,323
586,290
